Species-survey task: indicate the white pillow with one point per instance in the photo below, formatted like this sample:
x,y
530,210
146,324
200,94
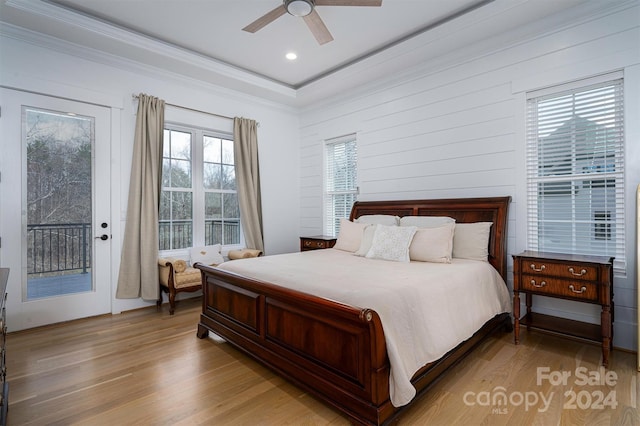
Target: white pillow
x,y
209,255
379,219
471,240
391,243
367,240
350,235
433,244
425,221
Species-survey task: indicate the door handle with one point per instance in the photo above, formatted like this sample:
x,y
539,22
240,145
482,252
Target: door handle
x,y
103,237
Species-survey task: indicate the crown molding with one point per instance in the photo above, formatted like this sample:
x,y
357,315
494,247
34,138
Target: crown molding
x,y
65,47
533,31
156,47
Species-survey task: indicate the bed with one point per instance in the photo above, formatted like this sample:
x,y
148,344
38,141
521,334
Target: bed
x,y
333,349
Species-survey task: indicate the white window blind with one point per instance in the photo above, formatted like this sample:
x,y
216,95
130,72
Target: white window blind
x,y
341,187
575,171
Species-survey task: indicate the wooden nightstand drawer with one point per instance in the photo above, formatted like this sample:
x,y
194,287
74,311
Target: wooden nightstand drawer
x,y
563,270
314,244
318,242
587,279
560,287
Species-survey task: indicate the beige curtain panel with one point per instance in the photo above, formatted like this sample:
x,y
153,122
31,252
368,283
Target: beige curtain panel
x,y
245,137
138,275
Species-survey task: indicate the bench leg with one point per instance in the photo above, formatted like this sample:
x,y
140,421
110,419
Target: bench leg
x,y
172,302
159,301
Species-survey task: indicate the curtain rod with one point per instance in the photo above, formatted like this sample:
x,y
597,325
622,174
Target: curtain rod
x,y
192,109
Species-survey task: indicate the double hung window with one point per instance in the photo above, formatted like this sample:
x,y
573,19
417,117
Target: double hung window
x,y
341,187
199,201
575,170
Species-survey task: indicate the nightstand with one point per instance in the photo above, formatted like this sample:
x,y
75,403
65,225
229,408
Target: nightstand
x,y
586,279
317,242
4,385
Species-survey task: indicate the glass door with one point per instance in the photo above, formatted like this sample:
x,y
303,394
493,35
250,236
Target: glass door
x,y
55,215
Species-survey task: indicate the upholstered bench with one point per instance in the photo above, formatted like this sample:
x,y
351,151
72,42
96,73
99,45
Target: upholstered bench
x,y
176,275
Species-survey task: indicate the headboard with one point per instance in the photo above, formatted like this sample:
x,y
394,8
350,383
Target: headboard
x,y
463,210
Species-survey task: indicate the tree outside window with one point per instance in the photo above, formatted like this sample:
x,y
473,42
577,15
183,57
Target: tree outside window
x,y
199,201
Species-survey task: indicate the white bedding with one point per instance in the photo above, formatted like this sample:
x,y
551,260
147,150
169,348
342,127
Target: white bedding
x,y
426,309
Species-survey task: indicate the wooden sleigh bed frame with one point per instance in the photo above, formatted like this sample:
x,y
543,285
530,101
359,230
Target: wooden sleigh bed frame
x,y
335,351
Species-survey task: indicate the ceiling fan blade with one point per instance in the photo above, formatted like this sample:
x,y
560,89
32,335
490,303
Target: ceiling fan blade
x,y
348,3
318,28
265,19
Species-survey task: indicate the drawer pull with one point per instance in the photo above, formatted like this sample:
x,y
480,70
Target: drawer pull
x,y
542,284
582,290
584,271
540,269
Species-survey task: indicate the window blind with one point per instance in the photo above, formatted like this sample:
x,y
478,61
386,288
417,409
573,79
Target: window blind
x,y
575,171
341,187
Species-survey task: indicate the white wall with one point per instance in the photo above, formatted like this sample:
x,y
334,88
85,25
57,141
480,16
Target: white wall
x,y
455,128
449,128
48,67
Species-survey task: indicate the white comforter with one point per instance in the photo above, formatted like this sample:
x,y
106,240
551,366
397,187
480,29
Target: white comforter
x,y
426,309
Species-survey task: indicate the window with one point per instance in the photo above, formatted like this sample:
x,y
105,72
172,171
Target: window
x,y
575,170
341,188
221,209
199,202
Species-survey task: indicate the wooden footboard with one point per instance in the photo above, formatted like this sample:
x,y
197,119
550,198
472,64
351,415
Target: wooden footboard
x,y
334,351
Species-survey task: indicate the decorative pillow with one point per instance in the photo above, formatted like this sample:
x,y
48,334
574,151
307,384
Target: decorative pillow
x,y
433,244
379,219
471,240
243,253
209,255
391,243
367,240
179,265
350,235
425,221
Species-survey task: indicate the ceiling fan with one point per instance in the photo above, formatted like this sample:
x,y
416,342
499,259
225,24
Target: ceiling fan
x,y
306,9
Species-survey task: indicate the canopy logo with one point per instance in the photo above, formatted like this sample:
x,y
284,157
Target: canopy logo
x,y
501,401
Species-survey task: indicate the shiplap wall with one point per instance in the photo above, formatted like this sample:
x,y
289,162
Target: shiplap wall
x,y
456,129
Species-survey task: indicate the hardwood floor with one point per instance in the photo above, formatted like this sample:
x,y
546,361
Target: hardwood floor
x,y
148,368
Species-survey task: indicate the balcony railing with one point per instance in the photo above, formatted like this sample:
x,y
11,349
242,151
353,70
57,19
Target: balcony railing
x,y
179,233
54,248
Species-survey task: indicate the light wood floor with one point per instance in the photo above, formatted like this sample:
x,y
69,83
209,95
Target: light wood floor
x,y
148,368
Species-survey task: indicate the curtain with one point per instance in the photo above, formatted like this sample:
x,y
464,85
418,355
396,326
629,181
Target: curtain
x,y
138,275
245,147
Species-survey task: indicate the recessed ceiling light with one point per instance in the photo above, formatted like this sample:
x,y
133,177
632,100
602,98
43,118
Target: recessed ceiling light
x,y
291,56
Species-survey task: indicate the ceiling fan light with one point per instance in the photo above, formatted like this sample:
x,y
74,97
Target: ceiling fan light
x,y
299,7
